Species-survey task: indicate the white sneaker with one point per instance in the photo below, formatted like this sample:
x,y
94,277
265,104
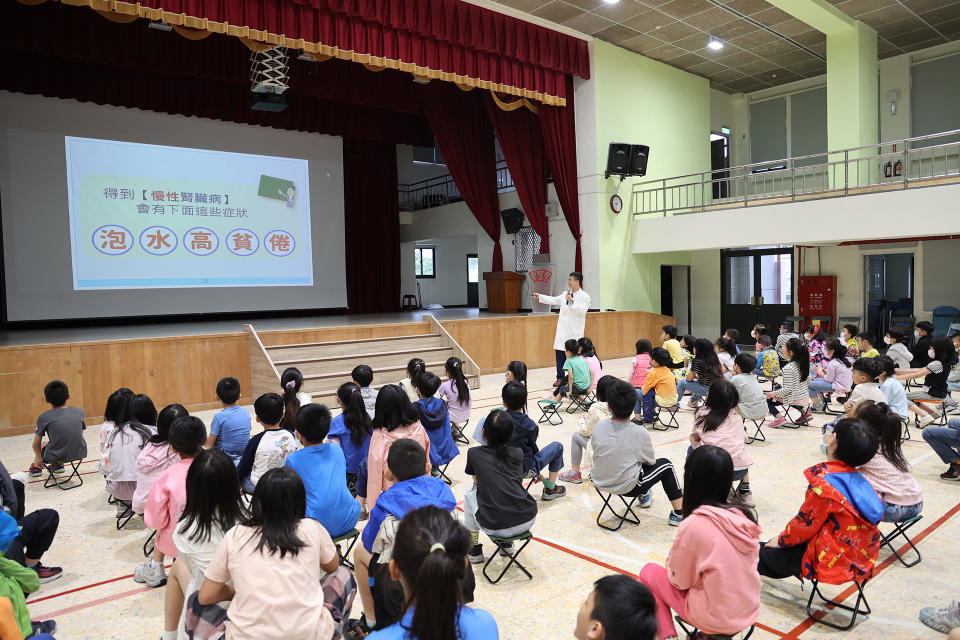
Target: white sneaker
x,y
150,573
927,419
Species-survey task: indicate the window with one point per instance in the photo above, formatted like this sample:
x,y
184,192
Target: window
x,y
428,155
424,262
473,269
527,243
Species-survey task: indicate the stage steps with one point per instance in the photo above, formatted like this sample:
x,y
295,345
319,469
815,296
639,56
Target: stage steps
x,y
327,365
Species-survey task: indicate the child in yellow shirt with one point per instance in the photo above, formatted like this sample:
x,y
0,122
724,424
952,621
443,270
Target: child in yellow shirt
x,y
660,385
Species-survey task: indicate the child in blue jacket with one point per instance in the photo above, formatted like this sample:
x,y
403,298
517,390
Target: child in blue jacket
x,y
435,419
407,463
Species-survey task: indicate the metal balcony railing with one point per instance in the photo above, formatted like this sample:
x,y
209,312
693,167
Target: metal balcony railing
x,y
435,192
912,162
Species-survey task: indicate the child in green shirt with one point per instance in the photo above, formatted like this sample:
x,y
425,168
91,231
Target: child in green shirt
x,y
578,373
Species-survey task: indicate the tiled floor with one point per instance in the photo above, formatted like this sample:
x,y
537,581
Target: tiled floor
x,y
97,599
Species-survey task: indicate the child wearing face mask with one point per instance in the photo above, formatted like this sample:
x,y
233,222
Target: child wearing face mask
x,y
942,357
847,337
896,350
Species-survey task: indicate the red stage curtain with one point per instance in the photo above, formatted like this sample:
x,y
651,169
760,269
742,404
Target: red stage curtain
x,y
71,52
373,226
522,144
465,138
436,38
560,140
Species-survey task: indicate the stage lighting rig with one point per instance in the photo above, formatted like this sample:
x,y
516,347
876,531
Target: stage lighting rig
x,y
270,77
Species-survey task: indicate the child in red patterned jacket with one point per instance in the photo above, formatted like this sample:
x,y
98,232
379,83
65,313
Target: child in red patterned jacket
x,y
834,537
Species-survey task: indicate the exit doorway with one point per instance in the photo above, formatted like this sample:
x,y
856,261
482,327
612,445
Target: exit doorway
x,y
888,287
720,164
757,288
675,295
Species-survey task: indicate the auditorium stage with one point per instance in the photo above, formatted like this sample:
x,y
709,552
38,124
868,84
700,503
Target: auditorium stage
x,y
182,362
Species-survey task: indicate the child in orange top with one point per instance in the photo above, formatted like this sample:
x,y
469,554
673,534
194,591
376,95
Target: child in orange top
x,y
660,385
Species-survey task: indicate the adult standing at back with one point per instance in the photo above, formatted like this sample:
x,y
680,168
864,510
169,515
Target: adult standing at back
x,y
573,303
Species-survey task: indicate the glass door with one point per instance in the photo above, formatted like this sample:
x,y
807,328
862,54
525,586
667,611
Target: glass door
x,y
757,287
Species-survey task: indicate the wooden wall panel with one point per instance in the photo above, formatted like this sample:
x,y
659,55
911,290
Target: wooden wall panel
x,y
493,342
177,369
186,369
334,334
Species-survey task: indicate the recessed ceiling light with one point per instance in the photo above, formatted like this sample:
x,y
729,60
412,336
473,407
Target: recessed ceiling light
x,y
715,44
611,1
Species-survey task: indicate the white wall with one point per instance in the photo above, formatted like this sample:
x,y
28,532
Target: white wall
x,y
730,111
450,286
456,220
941,285
705,288
860,217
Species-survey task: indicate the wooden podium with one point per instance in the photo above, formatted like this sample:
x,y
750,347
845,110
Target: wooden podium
x,y
503,291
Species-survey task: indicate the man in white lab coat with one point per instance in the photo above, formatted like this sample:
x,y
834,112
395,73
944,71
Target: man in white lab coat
x,y
573,303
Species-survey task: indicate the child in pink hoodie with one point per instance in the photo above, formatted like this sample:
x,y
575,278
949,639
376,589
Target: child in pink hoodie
x,y
395,418
156,455
168,496
711,577
720,424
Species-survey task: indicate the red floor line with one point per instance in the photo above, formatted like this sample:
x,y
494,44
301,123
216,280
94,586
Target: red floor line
x,y
82,473
611,567
794,633
94,603
85,587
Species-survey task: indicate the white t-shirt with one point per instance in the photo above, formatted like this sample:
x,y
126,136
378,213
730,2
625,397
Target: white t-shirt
x,y
196,556
304,398
272,452
276,598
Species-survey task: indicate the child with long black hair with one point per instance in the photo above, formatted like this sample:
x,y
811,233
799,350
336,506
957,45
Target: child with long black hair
x,y
796,383
125,444
429,560
212,508
115,413
456,392
719,424
705,369
415,367
351,430
156,455
726,352
291,383
888,471
516,372
270,565
497,503
710,577
396,418
589,353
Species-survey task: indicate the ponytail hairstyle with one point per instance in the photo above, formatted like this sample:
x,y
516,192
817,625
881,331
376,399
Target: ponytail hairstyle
x,y
727,345
800,355
839,351
141,414
518,369
886,425
705,352
355,415
498,432
292,381
722,398
430,553
585,345
454,367
817,332
167,415
415,367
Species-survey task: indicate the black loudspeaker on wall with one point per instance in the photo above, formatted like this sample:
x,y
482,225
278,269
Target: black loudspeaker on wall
x,y
512,220
618,159
638,159
626,159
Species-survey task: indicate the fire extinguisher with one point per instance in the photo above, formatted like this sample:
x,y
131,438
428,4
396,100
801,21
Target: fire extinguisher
x,y
898,168
888,169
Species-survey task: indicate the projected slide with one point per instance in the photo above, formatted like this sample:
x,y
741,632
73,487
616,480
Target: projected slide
x,y
147,216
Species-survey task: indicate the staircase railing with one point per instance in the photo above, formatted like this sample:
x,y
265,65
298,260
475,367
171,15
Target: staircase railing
x,y
264,376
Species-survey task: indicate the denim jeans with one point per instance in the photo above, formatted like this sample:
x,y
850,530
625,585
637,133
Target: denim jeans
x,y
945,441
818,386
550,456
899,512
694,387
